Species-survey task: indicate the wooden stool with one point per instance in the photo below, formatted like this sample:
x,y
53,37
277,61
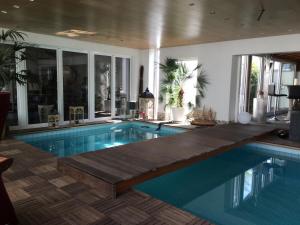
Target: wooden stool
x,y
7,211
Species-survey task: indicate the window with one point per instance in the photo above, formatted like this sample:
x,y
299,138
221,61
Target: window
x,y
42,91
102,86
282,75
288,72
122,91
75,72
12,117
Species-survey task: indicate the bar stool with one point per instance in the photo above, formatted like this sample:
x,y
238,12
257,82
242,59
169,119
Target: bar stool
x,y
272,94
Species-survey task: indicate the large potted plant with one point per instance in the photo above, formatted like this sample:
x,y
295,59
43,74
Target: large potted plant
x,y
12,53
176,74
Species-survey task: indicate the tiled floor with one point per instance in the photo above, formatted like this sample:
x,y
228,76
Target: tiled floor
x,y
43,196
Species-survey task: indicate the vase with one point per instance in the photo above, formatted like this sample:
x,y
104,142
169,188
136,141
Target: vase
x,y
178,114
259,112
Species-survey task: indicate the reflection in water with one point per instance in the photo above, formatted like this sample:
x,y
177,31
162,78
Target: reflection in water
x,y
248,186
244,186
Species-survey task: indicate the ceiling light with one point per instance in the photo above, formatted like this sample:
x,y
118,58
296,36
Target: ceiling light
x,y
74,33
82,32
66,33
16,6
212,12
3,11
31,0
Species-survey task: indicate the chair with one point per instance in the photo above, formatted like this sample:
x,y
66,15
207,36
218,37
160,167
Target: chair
x,y
272,94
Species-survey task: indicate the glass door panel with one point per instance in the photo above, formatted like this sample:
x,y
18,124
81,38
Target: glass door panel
x,y
42,91
287,78
102,86
10,66
122,91
75,73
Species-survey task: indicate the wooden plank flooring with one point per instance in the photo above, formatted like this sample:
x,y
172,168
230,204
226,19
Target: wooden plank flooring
x,y
125,166
42,195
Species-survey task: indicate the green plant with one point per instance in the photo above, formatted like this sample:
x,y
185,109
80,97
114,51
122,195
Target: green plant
x,y
175,75
201,85
12,53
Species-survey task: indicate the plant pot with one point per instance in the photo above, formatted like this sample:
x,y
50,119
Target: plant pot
x,y
178,114
4,101
259,112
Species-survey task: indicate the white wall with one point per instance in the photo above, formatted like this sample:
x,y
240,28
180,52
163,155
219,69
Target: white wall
x,y
217,60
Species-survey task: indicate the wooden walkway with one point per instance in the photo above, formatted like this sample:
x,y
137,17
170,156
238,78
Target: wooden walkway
x,y
117,169
41,195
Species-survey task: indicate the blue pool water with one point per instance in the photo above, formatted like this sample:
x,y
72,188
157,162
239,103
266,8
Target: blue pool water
x,y
72,141
245,186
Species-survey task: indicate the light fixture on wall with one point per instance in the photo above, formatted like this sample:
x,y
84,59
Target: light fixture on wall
x,y
16,6
3,11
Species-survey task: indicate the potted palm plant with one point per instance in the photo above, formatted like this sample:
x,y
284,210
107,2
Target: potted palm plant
x,y
175,75
12,53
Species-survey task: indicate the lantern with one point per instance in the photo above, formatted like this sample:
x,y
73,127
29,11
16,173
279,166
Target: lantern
x,y
146,105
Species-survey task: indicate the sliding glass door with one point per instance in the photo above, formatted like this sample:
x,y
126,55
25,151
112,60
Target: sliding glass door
x,y
282,74
42,89
102,86
288,73
61,79
122,86
75,81
10,66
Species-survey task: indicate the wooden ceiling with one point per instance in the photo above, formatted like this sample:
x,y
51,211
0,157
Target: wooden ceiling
x,y
150,23
289,57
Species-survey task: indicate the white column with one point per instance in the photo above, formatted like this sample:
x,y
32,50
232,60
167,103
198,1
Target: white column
x,y
113,86
124,75
91,86
151,70
156,80
60,85
22,102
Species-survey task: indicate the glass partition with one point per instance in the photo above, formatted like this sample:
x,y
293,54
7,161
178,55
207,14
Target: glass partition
x,y
288,73
102,86
12,117
75,73
122,91
42,90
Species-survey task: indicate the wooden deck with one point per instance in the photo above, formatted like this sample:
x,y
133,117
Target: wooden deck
x,y
117,169
42,195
